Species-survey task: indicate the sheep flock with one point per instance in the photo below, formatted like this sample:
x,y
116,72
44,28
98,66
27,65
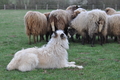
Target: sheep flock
x,y
89,26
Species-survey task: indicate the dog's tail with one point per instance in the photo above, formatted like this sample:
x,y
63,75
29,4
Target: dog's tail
x,y
23,62
13,64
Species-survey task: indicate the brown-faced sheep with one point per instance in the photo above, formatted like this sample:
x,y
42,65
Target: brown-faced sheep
x,y
114,26
87,24
59,19
111,11
35,24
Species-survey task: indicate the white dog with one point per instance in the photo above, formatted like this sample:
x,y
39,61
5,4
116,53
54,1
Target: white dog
x,y
52,55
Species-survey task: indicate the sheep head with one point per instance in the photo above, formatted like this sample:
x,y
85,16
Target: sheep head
x,y
110,11
71,31
73,7
100,25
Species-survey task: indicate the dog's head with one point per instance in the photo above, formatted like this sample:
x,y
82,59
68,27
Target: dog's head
x,y
60,38
59,34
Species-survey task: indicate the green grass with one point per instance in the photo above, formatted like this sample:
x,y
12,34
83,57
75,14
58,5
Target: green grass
x,y
100,62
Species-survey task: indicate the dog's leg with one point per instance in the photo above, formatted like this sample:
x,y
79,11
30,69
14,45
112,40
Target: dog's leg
x,y
72,64
29,63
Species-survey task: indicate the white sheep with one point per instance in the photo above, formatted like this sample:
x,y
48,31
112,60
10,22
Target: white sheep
x,y
87,24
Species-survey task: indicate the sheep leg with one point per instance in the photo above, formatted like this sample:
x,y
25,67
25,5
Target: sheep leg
x,y
37,38
47,35
115,38
92,41
83,40
72,38
118,39
101,40
34,38
41,38
87,38
78,36
29,39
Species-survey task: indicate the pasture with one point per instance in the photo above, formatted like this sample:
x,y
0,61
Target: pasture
x,y
99,62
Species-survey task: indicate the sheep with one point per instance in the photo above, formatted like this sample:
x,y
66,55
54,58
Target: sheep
x,y
35,24
111,11
114,26
87,24
52,55
71,31
59,19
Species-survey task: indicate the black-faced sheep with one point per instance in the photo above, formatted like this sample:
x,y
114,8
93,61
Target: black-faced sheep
x,y
87,24
111,11
35,24
114,26
59,19
71,31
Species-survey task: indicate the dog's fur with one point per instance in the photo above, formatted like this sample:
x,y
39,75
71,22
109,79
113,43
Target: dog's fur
x,y
52,55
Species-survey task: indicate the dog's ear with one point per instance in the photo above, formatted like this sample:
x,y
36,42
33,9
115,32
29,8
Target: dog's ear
x,y
62,36
54,34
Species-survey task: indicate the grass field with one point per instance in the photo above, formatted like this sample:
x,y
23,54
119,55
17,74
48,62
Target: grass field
x,y
100,62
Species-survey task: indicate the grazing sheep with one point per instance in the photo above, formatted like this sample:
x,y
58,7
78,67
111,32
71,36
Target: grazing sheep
x,y
111,11
71,31
35,24
59,19
114,26
52,55
87,24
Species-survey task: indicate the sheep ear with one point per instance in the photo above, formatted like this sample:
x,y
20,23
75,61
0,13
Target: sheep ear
x,y
62,36
47,15
54,34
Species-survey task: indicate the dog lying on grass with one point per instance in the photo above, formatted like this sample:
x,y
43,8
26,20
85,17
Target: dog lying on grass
x,y
52,55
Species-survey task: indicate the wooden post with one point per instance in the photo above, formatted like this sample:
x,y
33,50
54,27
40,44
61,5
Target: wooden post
x,y
47,7
15,7
103,6
93,6
36,6
25,6
57,6
115,6
4,7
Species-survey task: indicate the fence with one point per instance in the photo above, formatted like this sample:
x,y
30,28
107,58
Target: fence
x,y
47,6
